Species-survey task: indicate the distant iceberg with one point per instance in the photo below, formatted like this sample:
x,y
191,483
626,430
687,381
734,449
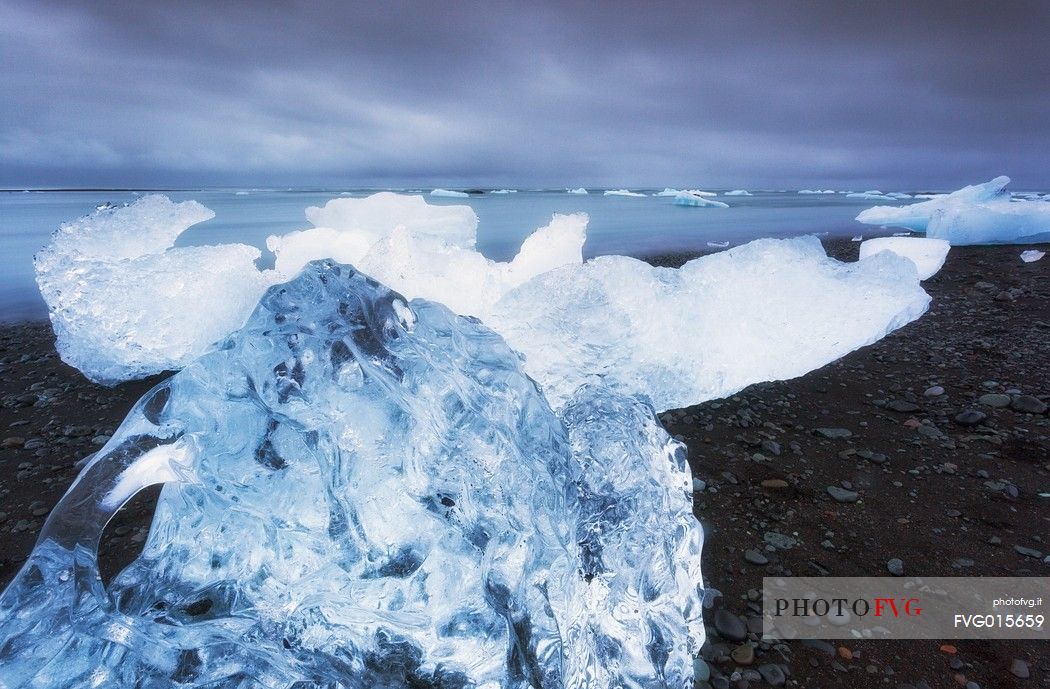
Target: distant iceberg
x,y
577,190
816,191
668,191
450,193
870,196
688,198
977,214
504,191
622,192
738,192
928,255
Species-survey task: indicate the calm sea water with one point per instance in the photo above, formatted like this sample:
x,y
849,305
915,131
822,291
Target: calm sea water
x,y
618,225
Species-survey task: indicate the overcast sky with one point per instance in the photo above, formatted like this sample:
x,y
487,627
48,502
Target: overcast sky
x,y
895,95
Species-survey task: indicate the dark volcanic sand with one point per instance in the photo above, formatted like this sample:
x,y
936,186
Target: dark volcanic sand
x,y
946,499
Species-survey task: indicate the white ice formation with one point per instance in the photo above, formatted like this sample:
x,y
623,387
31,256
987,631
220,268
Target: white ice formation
x,y
1032,255
738,192
449,193
623,192
578,190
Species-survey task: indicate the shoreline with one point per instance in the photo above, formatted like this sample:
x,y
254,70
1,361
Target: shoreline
x,y
967,494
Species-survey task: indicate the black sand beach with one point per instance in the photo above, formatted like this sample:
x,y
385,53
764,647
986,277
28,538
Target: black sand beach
x,y
944,453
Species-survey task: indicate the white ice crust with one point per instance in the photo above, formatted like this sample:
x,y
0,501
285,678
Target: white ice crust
x,y
927,254
977,214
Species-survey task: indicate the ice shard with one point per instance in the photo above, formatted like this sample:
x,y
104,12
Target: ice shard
x,y
362,491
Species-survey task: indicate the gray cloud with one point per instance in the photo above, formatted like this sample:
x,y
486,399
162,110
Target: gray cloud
x,y
734,93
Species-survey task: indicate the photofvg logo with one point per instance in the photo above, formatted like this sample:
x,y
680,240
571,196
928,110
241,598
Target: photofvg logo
x,y
906,607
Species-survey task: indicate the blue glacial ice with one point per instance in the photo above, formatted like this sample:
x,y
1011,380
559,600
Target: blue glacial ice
x,y
977,214
363,491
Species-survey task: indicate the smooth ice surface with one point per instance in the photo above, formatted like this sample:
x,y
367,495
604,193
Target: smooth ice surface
x,y
365,492
1032,255
125,304
688,198
928,255
450,193
977,214
767,310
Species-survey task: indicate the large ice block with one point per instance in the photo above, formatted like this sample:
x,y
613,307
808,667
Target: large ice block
x,y
363,491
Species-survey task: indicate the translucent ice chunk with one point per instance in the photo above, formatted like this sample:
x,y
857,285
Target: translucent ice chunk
x,y
928,255
1032,255
767,310
124,304
366,492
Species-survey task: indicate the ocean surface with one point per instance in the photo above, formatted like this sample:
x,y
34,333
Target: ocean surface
x,y
631,226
